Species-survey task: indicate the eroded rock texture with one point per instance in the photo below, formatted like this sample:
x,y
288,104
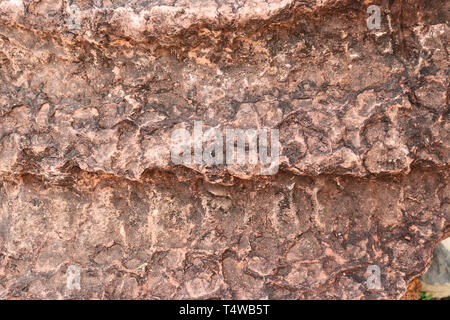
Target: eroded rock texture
x,y
90,92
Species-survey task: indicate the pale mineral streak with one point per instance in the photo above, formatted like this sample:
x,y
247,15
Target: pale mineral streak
x,y
90,92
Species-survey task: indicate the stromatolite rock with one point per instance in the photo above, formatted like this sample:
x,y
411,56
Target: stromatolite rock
x,y
91,92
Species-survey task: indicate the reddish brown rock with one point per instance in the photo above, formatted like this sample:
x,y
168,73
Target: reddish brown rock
x,y
91,205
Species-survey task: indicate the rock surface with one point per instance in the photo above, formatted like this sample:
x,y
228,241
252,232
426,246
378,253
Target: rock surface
x,y
91,91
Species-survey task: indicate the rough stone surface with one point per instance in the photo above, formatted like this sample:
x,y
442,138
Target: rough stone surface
x,y
88,103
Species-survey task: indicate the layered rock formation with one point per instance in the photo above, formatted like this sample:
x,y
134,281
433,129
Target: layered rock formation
x,y
91,91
